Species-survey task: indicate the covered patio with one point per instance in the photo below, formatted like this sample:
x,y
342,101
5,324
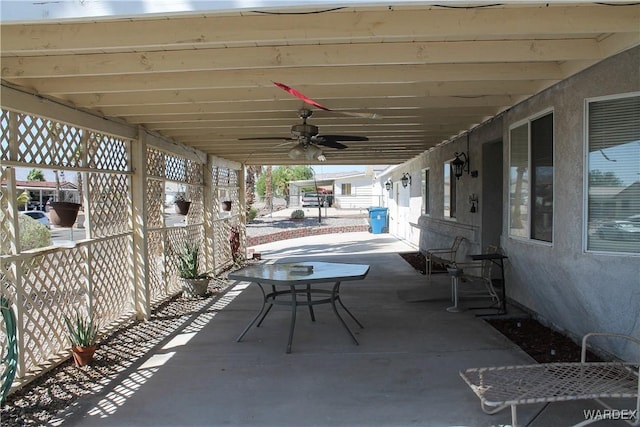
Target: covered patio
x,y
134,104
404,372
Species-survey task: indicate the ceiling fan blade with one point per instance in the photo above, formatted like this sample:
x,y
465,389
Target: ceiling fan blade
x,y
329,143
316,104
297,94
343,137
268,138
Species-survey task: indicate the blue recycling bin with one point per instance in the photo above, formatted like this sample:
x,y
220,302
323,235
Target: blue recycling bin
x,y
378,220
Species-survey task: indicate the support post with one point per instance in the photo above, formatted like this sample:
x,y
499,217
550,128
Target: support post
x,y
140,256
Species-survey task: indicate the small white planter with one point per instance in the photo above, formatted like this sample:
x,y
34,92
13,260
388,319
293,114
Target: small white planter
x,y
193,288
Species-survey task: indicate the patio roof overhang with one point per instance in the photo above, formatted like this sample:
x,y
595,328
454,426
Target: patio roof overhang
x,y
206,80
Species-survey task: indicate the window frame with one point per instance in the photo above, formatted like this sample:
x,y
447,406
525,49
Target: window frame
x,y
346,185
530,207
424,182
586,172
452,190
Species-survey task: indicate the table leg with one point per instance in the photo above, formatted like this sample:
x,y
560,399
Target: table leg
x,y
264,299
294,307
313,317
335,296
273,290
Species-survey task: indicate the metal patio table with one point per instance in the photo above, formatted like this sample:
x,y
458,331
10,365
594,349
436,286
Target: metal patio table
x,y
300,279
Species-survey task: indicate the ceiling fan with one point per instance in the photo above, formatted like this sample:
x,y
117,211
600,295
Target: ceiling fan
x,y
307,139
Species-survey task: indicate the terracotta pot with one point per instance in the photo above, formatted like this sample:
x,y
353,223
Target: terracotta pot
x,y
182,207
192,288
226,205
83,356
63,214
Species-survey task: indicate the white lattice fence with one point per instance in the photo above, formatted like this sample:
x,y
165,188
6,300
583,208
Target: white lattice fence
x,y
45,285
164,242
54,285
111,284
225,188
156,279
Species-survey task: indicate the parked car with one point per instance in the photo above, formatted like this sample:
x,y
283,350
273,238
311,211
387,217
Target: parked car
x,y
312,199
619,230
39,216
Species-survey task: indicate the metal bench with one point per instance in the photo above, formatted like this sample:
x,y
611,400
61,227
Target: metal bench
x,y
503,386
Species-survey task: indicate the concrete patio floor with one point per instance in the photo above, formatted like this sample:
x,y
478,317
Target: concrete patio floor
x,y
403,373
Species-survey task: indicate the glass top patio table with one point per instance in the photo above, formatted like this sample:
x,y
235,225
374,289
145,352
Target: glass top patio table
x,y
301,279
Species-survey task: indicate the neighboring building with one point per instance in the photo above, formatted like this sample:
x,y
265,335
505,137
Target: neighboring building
x,y
528,190
350,190
40,192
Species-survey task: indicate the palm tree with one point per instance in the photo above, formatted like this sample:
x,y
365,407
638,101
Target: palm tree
x,y
250,189
268,191
36,175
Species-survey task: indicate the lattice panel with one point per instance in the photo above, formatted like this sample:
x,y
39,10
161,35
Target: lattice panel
x,y
107,152
109,204
222,177
54,286
6,231
8,290
4,135
156,263
196,211
232,193
233,177
155,163
45,142
221,247
194,172
112,278
176,168
155,203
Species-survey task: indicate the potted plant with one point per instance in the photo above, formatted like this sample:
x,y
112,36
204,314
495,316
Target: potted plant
x,y
194,284
83,334
182,205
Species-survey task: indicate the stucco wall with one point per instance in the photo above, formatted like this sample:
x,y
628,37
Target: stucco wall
x,y
575,290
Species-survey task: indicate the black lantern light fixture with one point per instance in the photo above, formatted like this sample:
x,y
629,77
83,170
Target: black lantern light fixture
x,y
388,185
406,180
460,164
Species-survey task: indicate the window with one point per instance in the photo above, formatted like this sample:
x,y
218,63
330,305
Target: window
x,y
449,191
425,192
613,182
531,179
346,189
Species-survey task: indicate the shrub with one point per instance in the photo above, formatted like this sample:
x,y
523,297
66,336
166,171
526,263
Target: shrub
x,y
297,214
33,234
253,213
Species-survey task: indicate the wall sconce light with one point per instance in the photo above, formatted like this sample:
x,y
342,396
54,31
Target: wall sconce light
x,y
388,185
473,200
406,180
460,164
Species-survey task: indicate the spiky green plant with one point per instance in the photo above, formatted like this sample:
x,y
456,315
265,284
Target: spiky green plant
x,y
188,262
83,332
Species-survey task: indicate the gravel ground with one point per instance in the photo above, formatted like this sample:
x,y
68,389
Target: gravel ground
x,y
267,225
118,355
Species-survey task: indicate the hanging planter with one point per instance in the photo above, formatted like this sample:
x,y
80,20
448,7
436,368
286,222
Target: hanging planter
x,y
182,207
226,205
63,214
